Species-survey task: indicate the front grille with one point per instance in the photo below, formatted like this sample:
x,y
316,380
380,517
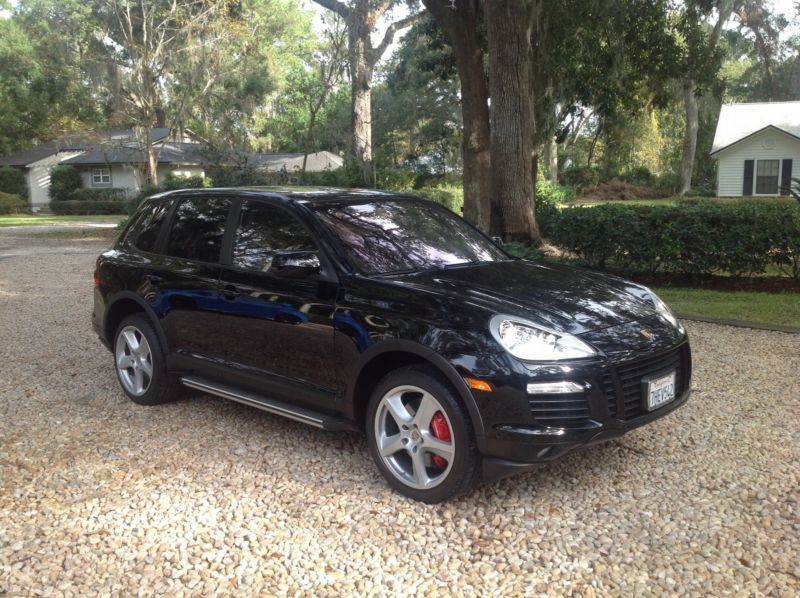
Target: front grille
x,y
561,410
622,384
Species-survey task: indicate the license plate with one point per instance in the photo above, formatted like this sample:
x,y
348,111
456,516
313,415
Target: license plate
x,y
659,391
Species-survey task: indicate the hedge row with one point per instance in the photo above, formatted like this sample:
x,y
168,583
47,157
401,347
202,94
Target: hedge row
x,y
99,194
88,207
741,238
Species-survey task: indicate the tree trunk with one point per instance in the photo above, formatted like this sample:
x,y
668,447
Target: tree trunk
x,y
361,75
551,159
689,136
513,214
150,152
460,25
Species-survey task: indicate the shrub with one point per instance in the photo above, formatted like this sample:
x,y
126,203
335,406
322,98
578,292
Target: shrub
x,y
580,176
548,197
64,181
639,175
99,194
12,180
450,196
11,203
88,207
693,237
178,181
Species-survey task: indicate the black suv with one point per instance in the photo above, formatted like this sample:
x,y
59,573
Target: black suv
x,y
364,310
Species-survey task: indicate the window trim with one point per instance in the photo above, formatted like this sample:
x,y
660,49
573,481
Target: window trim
x,y
100,170
778,177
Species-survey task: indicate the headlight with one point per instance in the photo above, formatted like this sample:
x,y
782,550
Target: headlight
x,y
665,311
530,342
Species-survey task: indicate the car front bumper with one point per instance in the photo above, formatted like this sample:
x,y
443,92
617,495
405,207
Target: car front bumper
x,y
522,429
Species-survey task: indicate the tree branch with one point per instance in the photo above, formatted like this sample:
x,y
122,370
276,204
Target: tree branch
x,y
336,7
388,37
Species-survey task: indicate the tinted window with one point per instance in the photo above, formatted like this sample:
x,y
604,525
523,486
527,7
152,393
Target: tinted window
x,y
197,229
149,224
263,231
384,236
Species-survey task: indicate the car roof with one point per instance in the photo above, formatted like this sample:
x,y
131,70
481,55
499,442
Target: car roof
x,y
304,195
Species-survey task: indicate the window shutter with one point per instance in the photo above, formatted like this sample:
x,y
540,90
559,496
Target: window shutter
x,y
747,187
786,177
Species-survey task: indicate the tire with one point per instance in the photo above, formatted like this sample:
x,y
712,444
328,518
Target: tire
x,y
417,460
145,379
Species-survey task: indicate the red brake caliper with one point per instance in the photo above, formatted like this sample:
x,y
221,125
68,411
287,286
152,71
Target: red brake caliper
x,y
441,431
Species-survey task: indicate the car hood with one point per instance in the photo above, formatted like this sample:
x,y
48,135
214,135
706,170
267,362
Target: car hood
x,y
564,298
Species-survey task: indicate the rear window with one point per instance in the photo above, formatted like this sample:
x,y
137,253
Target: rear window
x,y
145,231
198,228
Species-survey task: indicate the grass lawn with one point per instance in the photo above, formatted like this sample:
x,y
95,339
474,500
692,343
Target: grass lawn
x,y
782,309
33,219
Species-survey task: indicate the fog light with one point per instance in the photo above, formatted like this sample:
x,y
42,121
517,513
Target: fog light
x,y
556,388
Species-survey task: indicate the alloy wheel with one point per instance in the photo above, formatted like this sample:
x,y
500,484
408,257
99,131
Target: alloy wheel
x,y
414,437
134,360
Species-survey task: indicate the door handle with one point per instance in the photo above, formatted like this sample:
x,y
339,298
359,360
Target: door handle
x,y
153,278
230,292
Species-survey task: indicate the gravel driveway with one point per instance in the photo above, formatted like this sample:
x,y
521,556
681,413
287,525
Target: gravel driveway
x,y
98,495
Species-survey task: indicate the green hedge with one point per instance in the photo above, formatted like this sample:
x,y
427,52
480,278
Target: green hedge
x,y
99,194
88,207
698,237
12,180
11,203
64,181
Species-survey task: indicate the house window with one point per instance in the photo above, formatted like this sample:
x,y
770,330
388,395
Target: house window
x,y
101,177
767,177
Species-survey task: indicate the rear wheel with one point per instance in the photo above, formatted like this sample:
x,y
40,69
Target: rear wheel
x,y
421,437
140,364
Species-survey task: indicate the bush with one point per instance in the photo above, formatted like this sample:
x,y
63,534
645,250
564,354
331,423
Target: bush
x,y
11,203
64,181
450,196
640,176
104,194
693,237
178,181
580,176
88,207
12,180
548,197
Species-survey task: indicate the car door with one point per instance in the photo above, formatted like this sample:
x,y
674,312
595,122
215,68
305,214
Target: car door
x,y
183,278
277,329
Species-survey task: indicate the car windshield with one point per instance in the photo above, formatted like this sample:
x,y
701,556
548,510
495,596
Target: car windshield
x,y
385,236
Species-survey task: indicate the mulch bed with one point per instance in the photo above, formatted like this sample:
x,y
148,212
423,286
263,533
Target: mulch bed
x,y
621,190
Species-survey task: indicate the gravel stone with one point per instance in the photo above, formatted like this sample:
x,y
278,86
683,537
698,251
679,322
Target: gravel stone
x,y
99,496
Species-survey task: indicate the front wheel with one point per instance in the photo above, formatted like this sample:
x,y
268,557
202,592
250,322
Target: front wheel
x,y
421,437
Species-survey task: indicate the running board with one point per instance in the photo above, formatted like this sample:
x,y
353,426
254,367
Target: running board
x,y
298,414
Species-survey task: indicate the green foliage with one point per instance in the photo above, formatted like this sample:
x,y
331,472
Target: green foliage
x,y
100,194
449,195
694,237
523,251
11,203
88,207
176,181
581,176
549,197
64,181
12,180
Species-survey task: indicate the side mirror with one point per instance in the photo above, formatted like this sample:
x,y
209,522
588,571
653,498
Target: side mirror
x,y
296,264
498,241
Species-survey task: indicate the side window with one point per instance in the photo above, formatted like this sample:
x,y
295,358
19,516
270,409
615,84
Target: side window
x,y
145,233
265,230
198,228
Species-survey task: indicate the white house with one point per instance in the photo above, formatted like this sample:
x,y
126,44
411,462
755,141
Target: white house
x,y
757,148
